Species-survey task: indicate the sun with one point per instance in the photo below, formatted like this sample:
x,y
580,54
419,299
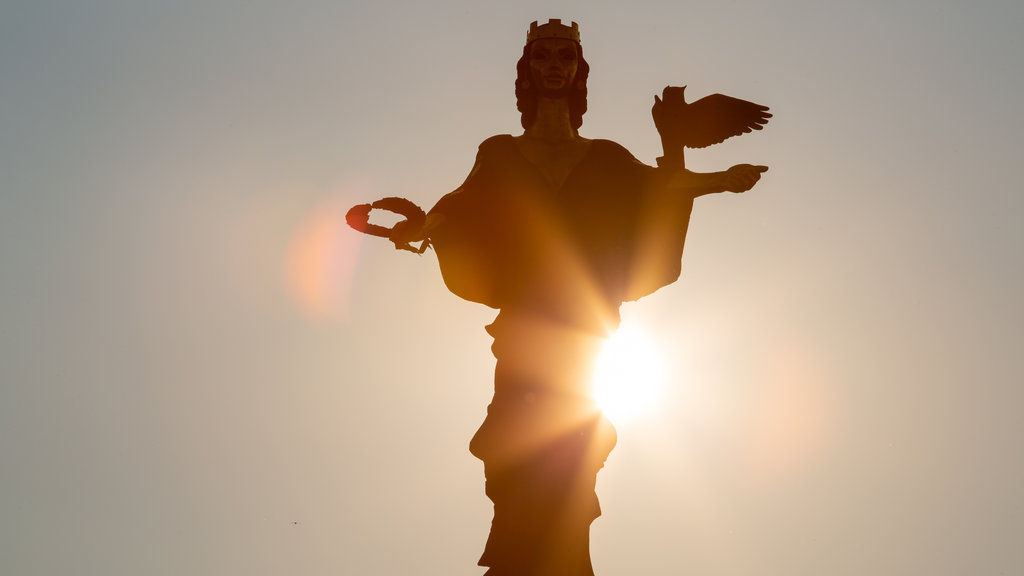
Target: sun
x,y
629,375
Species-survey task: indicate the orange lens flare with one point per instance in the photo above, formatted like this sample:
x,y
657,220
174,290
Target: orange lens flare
x,y
321,260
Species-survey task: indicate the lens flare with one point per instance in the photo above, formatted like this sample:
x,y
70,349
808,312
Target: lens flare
x,y
321,260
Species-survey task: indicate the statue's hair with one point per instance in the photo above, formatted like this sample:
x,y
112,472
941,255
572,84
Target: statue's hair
x,y
527,93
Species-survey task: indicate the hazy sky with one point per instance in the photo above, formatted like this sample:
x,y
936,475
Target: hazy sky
x,y
204,372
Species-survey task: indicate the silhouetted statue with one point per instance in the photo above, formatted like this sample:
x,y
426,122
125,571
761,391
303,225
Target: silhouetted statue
x,y
556,231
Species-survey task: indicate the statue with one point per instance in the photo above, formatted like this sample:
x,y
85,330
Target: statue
x,y
556,231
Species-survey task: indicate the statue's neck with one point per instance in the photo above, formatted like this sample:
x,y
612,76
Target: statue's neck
x,y
552,123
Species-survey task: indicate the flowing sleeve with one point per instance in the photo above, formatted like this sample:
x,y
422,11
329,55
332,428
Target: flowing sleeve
x,y
638,223
464,239
663,219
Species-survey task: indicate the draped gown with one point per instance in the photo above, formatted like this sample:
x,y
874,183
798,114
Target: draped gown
x,y
557,262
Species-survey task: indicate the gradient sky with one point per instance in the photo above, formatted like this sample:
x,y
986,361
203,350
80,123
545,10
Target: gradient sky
x,y
204,372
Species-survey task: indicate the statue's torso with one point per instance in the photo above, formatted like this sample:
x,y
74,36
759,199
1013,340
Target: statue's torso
x,y
558,237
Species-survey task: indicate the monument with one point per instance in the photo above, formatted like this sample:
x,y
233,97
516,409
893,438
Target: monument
x,y
556,231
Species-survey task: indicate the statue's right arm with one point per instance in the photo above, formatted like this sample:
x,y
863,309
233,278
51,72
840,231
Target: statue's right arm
x,y
449,203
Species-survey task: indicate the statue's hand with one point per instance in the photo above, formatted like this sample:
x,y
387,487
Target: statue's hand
x,y
669,114
741,177
407,231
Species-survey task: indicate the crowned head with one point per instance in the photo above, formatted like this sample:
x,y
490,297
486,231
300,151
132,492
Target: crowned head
x,y
552,65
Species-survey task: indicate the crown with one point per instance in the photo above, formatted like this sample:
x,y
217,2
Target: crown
x,y
553,29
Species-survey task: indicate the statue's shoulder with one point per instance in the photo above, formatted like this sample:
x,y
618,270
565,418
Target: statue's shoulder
x,y
609,150
495,148
497,141
611,147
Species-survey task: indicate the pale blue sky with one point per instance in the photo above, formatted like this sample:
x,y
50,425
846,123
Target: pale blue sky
x,y
195,354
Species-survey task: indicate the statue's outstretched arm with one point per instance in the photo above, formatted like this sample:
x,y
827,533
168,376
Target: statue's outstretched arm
x,y
739,178
418,226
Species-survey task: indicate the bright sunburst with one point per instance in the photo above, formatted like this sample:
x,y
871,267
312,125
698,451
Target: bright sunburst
x,y
629,375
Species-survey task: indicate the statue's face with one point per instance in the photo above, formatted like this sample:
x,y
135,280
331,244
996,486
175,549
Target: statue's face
x,y
553,65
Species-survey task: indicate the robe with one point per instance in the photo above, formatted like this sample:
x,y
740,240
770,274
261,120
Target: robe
x,y
557,262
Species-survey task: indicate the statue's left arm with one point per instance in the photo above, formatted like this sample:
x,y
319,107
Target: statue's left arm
x,y
739,178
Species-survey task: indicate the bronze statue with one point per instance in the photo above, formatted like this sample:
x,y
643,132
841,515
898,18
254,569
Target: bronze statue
x,y
556,231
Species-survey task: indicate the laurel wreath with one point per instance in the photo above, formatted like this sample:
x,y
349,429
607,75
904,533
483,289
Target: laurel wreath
x,y
402,233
